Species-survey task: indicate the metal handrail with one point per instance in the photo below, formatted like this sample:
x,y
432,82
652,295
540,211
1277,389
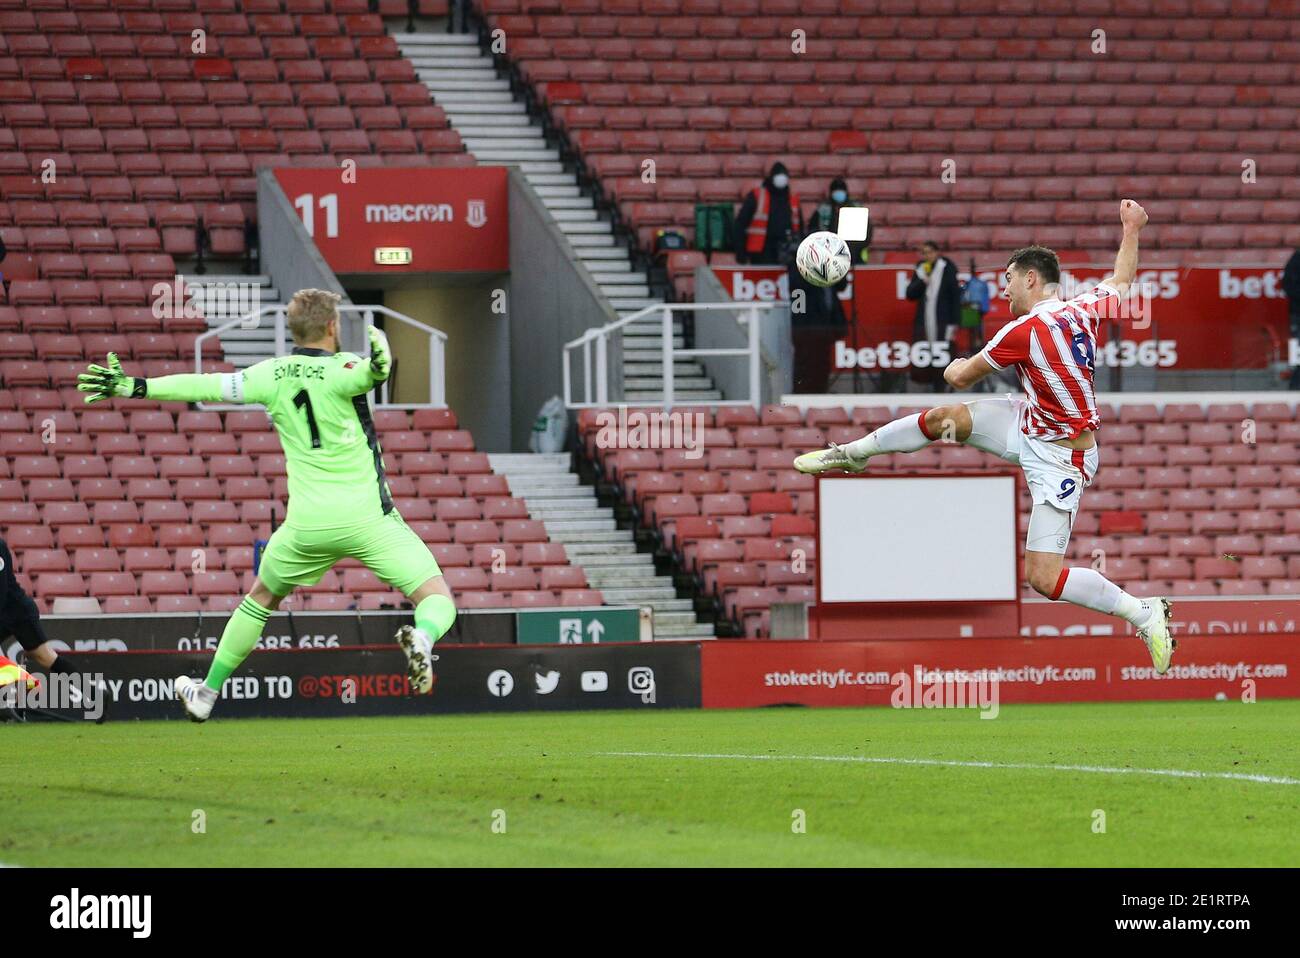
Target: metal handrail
x,y
437,350
599,337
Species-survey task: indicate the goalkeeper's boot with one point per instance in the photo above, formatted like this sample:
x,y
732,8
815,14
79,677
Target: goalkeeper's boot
x,y
419,658
1156,634
197,698
11,673
834,456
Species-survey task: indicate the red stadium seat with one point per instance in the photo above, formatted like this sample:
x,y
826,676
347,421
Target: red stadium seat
x,y
472,532
435,486
466,580
50,585
523,530
482,600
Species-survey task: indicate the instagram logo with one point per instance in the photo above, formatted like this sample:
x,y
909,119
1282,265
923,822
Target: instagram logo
x,y
641,681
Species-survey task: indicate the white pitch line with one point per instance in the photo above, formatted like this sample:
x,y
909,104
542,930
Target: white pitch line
x,y
1091,769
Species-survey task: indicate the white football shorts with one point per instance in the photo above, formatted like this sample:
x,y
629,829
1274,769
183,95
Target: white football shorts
x,y
1056,475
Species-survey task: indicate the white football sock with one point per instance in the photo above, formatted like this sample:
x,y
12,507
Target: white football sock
x,y
1136,611
1092,590
901,435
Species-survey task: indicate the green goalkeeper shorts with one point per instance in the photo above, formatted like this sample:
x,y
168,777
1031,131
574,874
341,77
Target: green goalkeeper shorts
x,y
388,547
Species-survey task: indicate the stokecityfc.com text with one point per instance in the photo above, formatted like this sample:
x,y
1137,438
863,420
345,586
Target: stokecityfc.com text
x,y
1031,674
1035,675
830,680
1232,671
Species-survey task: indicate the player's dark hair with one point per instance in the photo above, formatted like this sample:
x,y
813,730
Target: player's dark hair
x,y
932,244
1040,259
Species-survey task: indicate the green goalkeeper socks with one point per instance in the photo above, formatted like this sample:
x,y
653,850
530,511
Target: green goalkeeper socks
x,y
237,641
435,616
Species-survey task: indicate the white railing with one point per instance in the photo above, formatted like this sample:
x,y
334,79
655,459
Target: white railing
x,y
595,354
437,348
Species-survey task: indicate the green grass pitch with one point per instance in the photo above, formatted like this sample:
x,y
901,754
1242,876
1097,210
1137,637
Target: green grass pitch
x,y
541,789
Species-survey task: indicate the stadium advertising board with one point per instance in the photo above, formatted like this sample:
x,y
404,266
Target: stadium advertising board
x,y
372,681
184,632
750,674
450,220
904,586
1190,318
1193,615
903,564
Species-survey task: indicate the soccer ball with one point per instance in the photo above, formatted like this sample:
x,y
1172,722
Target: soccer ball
x,y
823,258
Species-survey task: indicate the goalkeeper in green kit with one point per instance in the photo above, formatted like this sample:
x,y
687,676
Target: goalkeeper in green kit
x,y
339,502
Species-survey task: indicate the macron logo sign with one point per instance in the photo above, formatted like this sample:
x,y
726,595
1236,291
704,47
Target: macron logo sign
x,y
409,213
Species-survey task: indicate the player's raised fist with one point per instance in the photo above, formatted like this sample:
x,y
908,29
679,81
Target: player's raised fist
x,y
1132,215
381,356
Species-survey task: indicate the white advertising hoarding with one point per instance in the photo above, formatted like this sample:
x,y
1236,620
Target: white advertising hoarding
x,y
917,538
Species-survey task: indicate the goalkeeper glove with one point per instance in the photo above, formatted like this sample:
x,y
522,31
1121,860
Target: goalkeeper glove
x,y
381,357
106,383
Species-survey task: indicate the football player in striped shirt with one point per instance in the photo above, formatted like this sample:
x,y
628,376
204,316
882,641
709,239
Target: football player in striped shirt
x,y
1048,432
339,501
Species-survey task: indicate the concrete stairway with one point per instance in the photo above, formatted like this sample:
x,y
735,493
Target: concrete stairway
x,y
229,297
643,366
498,131
606,554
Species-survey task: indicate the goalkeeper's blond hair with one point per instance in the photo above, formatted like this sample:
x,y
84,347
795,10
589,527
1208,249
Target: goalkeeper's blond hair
x,y
310,312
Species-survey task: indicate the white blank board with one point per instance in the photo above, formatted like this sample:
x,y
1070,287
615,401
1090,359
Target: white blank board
x,y
853,223
917,538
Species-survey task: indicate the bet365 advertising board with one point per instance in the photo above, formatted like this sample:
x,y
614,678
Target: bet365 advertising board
x,y
1177,318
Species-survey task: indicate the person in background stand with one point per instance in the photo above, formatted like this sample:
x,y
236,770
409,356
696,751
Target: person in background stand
x,y
975,304
1291,286
938,307
824,317
768,217
827,217
816,321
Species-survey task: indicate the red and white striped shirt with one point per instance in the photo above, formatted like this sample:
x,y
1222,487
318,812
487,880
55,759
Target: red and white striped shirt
x,y
1053,349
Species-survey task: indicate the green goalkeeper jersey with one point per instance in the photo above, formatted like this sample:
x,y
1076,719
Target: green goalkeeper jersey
x,y
317,402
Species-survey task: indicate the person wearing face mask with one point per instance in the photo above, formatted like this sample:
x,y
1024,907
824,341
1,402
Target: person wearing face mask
x,y
828,313
824,317
827,217
768,217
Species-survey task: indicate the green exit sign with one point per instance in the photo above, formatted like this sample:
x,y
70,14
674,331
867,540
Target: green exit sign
x,y
578,627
